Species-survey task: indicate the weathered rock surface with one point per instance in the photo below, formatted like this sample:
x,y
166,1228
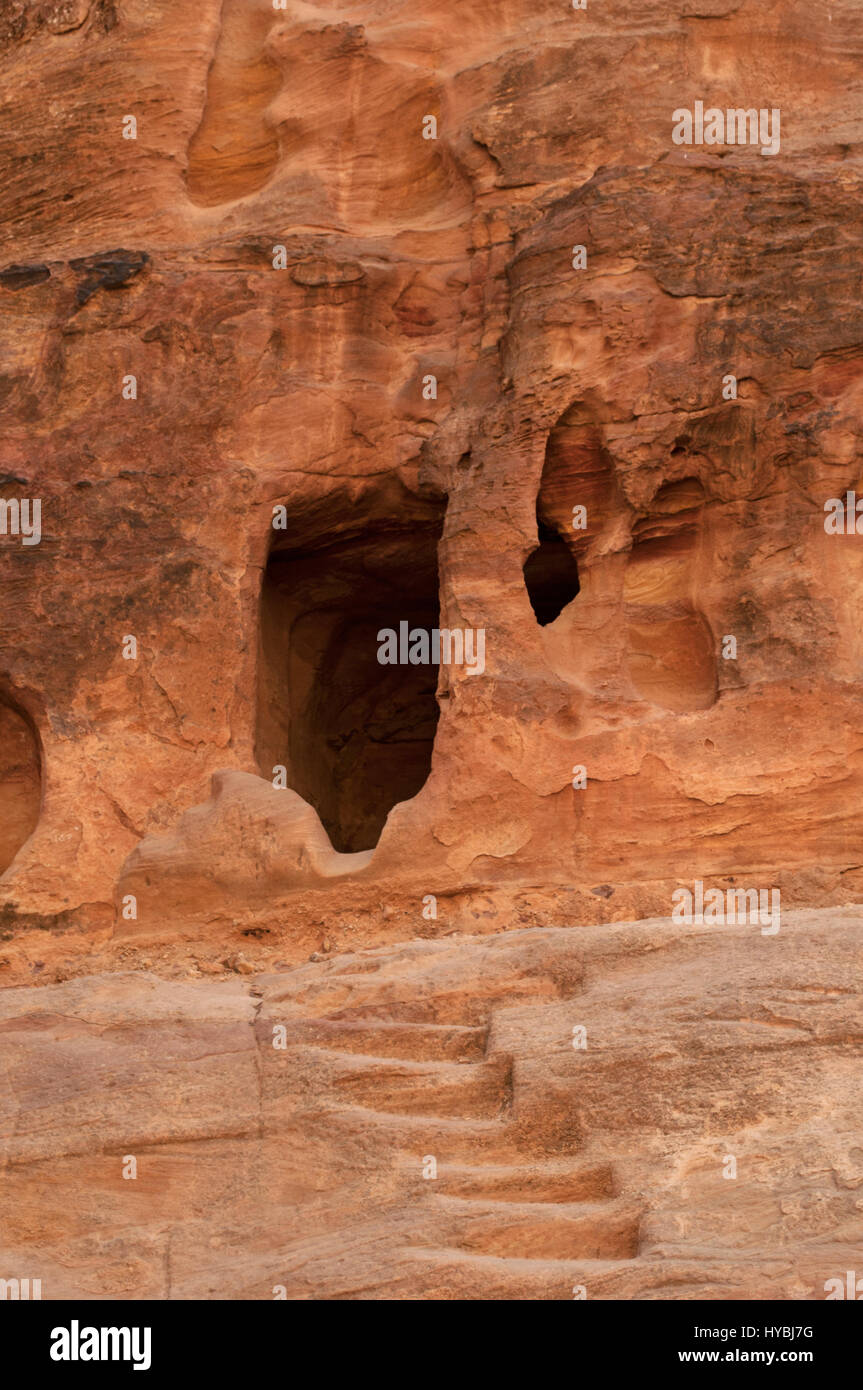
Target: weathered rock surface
x,y
302,387
284,1127
282,373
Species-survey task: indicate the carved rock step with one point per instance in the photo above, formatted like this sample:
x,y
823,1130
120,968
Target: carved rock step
x,y
550,1231
456,1274
481,1090
451,1139
432,1042
446,1273
343,996
529,1182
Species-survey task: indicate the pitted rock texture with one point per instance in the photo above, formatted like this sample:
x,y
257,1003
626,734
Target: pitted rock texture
x,y
282,261
415,1122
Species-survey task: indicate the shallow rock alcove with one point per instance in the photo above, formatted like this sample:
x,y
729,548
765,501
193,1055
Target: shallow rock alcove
x,y
576,496
671,648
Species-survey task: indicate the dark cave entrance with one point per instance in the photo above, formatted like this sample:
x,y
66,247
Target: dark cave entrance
x,y
355,736
20,781
577,485
550,573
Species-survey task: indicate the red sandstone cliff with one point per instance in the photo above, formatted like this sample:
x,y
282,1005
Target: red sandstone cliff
x,y
280,301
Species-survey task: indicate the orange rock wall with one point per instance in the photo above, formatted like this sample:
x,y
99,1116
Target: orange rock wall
x,y
602,386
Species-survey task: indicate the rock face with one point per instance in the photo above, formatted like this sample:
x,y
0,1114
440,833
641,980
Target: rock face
x,y
396,341
626,1112
413,473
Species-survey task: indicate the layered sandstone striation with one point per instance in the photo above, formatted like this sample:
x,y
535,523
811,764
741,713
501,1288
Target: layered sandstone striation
x,y
321,320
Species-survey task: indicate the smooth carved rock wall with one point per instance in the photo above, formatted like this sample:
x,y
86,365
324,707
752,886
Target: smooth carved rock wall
x,y
258,387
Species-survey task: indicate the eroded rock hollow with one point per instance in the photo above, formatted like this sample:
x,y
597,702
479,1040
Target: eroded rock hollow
x,y
354,735
20,781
